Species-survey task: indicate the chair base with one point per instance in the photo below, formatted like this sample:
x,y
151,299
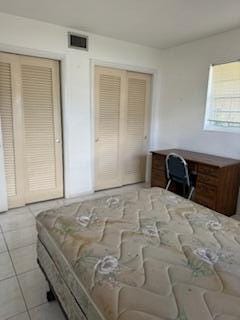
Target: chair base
x,y
191,193
168,184
189,196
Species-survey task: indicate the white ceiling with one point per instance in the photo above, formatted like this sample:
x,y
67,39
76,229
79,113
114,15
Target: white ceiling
x,y
155,23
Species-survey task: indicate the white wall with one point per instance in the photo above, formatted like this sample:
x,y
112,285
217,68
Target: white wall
x,y
27,36
184,81
183,90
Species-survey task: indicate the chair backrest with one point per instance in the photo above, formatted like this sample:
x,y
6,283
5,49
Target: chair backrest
x,y
177,169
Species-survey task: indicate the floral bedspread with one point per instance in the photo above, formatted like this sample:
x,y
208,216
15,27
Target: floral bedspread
x,y
151,255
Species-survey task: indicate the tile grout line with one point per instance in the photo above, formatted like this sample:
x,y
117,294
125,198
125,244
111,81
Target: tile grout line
x,y
29,208
28,245
13,214
29,309
19,314
17,274
20,228
19,285
10,277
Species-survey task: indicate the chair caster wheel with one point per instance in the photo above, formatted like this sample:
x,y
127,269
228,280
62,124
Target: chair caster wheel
x,y
50,296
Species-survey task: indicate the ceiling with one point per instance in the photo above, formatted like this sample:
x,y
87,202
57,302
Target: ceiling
x,y
156,23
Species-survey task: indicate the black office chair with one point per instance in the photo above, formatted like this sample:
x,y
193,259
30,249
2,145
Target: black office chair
x,y
177,171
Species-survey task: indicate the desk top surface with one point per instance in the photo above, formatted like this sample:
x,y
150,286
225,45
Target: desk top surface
x,y
200,157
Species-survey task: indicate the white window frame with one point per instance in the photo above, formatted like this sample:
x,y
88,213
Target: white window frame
x,y
207,125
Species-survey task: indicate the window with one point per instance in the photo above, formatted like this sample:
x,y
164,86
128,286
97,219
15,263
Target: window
x,y
223,99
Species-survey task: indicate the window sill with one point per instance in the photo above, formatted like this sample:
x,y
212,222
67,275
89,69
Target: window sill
x,y
221,129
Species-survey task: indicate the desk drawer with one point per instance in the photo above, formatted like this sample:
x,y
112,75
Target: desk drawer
x,y
206,195
208,170
202,178
205,190
158,162
158,178
206,202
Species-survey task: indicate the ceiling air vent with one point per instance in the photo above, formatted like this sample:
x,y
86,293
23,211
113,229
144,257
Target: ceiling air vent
x,y
77,41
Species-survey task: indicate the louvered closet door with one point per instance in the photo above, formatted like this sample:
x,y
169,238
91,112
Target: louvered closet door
x,y
136,127
42,129
11,116
109,112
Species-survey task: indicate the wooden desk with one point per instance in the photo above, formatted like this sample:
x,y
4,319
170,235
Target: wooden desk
x,y
217,183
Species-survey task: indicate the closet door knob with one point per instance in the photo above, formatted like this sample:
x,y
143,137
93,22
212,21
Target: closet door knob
x,y
97,139
58,140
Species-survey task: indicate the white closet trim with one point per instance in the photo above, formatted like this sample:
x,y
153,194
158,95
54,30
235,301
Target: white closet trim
x,y
3,184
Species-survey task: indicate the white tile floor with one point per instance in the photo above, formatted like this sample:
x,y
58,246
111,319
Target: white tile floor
x,y
22,285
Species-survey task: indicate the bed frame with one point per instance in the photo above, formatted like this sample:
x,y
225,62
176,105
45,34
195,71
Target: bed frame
x,y
51,294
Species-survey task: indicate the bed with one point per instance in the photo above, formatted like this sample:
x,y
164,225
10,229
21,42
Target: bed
x,y
143,255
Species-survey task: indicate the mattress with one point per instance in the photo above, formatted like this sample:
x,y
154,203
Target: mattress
x,y
147,254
